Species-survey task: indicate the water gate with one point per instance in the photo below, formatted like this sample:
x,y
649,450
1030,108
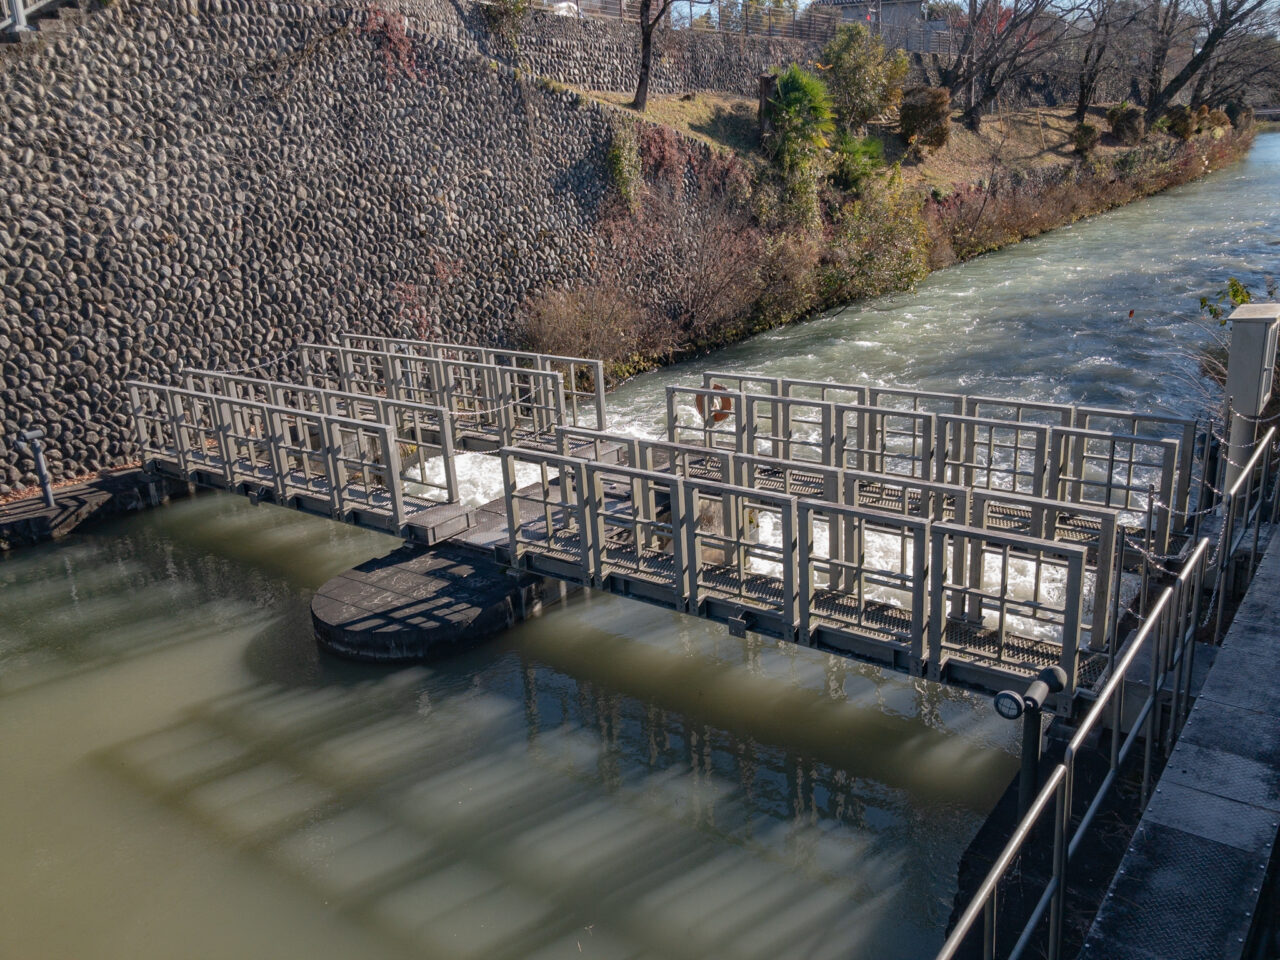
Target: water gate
x,y
975,540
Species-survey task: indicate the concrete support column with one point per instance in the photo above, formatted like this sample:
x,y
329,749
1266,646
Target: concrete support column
x,y
1250,365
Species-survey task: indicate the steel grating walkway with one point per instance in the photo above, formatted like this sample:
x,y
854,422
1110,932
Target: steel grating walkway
x,y
1190,881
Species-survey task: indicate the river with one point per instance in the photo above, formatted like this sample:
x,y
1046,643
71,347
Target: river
x,y
184,775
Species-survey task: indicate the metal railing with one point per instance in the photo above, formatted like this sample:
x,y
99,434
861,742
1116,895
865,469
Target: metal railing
x,y
846,596
1243,505
916,434
333,465
1167,636
424,434
988,615
815,23
21,13
1096,529
1163,648
1127,473
584,380
987,454
1124,423
496,404
666,521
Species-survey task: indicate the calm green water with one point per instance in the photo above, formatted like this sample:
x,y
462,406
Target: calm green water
x,y
185,776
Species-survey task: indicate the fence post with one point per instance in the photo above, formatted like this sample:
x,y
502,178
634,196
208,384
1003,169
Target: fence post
x,y
18,8
1061,849
391,454
1261,506
509,487
1224,557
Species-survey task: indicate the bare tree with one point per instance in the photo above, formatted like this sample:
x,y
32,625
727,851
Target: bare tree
x,y
1219,23
648,23
1168,26
1000,42
1101,21
1245,70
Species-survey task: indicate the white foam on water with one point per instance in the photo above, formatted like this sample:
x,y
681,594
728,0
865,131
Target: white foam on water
x,y
479,478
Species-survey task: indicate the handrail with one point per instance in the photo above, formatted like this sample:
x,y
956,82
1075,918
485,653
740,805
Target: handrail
x,y
1251,516
984,896
1169,632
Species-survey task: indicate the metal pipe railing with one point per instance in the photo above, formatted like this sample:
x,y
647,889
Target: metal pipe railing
x,y
1168,633
1243,506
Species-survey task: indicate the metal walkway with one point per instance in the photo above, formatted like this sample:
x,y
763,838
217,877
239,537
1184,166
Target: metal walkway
x,y
973,540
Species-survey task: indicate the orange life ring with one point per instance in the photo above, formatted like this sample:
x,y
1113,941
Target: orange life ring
x,y
721,409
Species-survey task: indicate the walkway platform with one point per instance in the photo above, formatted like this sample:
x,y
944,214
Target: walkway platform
x,y
29,521
1190,882
421,602
968,539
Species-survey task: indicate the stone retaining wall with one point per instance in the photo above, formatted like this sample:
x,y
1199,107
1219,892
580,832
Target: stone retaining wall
x,y
605,55
209,182
209,189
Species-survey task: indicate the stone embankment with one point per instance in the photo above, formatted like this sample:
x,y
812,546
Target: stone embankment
x,y
210,182
210,188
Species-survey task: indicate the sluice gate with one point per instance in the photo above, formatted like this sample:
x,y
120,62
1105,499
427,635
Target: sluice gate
x,y
973,540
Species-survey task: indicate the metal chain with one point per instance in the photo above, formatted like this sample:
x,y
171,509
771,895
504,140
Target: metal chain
x,y
1244,416
249,368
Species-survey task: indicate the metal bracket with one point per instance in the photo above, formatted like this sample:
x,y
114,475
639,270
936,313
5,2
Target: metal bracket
x,y
737,626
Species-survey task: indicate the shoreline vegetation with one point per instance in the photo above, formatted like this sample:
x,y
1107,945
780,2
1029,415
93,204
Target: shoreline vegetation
x,y
712,235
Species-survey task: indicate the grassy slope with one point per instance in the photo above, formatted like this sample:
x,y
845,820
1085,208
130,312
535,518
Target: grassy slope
x,y
1016,139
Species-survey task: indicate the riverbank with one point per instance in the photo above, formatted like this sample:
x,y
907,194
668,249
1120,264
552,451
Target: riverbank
x,y
456,199
1017,178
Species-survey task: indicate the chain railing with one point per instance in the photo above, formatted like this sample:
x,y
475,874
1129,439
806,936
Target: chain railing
x,y
1165,647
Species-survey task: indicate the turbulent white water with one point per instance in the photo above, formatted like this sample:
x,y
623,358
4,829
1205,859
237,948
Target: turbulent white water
x,y
1048,319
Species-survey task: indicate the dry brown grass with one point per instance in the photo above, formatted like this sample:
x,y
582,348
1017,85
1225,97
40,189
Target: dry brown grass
x,y
1020,139
718,119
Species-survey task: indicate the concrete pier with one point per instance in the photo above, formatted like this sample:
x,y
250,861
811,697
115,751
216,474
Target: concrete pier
x,y
419,602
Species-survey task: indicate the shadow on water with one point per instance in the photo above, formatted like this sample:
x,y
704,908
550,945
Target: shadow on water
x,y
518,808
610,777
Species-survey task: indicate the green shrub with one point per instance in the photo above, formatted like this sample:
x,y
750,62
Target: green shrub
x,y
1128,125
925,116
801,122
801,117
1084,138
854,159
1181,122
864,78
623,161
